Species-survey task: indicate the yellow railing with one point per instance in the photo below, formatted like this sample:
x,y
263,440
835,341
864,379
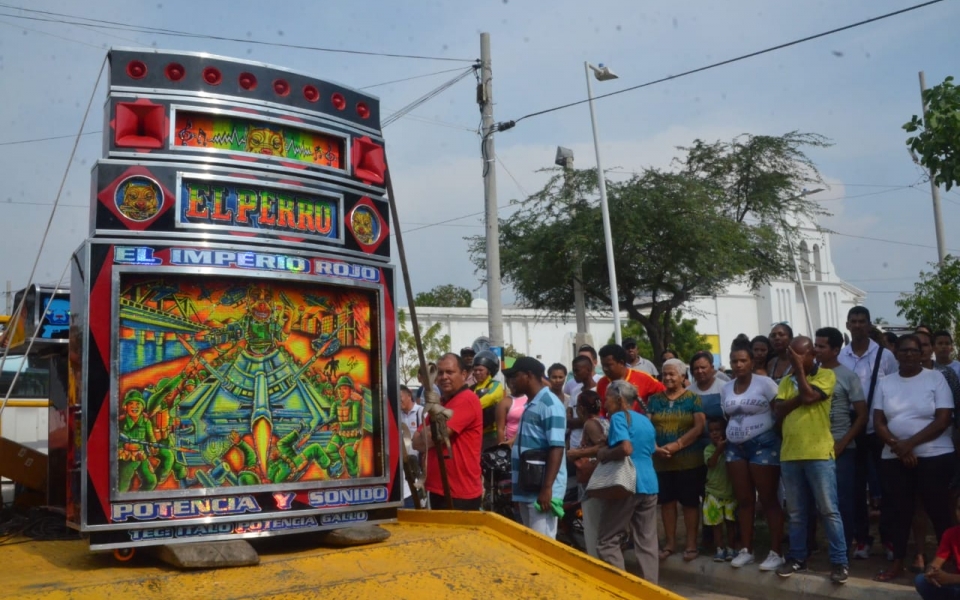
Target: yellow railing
x,y
27,403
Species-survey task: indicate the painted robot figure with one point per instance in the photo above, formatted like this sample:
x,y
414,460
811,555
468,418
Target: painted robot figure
x,y
287,459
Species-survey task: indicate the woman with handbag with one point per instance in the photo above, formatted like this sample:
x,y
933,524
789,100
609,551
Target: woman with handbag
x,y
627,484
594,437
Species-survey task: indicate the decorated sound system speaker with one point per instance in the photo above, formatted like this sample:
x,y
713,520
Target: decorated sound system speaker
x,y
233,366
43,323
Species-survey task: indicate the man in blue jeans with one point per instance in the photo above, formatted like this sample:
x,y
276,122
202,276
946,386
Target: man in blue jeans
x,y
806,458
848,419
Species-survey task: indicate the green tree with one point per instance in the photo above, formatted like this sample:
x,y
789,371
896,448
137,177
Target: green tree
x,y
687,341
435,345
510,352
935,300
716,219
445,295
938,140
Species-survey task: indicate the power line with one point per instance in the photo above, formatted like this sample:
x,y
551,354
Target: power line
x,y
68,19
43,204
873,239
40,31
44,139
509,124
367,87
892,188
515,181
877,193
474,214
880,279
425,98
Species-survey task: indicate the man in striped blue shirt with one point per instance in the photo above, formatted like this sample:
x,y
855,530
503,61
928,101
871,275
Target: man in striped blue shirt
x,y
542,430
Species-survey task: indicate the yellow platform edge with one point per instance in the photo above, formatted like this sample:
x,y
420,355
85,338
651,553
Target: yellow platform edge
x,y
576,563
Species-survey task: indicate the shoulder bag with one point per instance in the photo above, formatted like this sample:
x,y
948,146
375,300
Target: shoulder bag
x,y
613,480
862,438
533,464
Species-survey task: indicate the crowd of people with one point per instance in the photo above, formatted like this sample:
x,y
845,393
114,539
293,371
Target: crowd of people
x,y
802,431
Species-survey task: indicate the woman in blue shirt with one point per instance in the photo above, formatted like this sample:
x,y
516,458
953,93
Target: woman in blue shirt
x,y
631,434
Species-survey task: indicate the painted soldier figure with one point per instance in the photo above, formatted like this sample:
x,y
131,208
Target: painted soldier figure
x,y
136,438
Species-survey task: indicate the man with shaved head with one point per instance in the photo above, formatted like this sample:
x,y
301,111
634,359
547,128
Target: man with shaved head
x,y
807,462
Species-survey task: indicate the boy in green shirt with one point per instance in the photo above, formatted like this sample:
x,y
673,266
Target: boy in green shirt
x,y
719,504
807,466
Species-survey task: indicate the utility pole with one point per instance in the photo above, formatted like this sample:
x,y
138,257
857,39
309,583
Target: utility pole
x,y
565,159
934,188
485,98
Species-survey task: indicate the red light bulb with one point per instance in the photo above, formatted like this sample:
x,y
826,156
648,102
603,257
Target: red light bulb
x,y
281,87
311,93
174,71
248,81
212,75
136,69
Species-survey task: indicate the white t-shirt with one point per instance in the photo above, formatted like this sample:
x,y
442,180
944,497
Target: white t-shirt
x,y
909,404
749,414
572,396
646,366
412,420
863,367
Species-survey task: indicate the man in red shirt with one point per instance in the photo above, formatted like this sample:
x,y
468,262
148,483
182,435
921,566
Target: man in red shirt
x,y
613,361
466,434
937,583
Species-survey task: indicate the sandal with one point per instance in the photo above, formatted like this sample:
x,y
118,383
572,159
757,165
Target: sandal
x,y
665,553
689,555
887,575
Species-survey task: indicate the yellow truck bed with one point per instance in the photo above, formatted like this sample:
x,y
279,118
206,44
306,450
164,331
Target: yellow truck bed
x,y
429,556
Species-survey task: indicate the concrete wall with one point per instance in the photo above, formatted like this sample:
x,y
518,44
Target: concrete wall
x,y
25,425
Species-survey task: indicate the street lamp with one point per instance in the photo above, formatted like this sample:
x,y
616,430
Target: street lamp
x,y
603,73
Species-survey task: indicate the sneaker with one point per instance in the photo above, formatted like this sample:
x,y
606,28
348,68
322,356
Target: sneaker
x,y
729,554
839,573
889,550
791,566
772,562
862,552
720,555
744,557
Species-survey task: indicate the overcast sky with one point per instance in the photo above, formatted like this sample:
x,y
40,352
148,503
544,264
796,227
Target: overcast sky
x,y
856,87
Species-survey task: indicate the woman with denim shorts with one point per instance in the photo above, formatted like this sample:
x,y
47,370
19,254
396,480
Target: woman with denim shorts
x,y
753,453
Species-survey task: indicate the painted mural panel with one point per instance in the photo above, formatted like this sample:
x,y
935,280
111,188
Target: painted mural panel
x,y
236,382
231,133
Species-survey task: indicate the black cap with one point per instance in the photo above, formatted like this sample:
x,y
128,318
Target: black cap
x,y
629,343
526,364
467,350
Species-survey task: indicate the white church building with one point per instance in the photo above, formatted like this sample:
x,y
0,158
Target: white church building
x,y
720,318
